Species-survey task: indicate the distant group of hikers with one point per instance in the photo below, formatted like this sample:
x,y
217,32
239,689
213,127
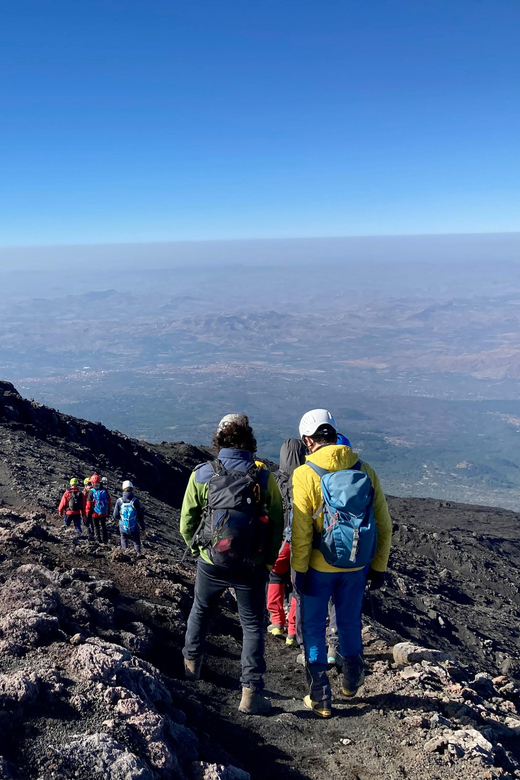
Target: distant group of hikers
x,y
320,522
92,505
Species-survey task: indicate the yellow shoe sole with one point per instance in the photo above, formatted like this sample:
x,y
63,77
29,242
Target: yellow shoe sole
x,y
317,708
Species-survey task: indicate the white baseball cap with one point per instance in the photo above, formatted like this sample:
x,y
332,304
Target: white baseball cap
x,y
314,419
127,485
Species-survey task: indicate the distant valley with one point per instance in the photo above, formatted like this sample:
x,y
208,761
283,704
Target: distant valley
x,y
419,363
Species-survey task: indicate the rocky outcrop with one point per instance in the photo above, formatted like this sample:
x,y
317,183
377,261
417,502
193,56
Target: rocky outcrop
x,y
91,681
72,647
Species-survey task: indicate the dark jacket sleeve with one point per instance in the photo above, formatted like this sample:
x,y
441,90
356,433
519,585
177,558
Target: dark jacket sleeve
x,y
276,524
117,509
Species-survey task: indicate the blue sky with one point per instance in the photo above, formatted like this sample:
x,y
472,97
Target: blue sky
x,y
157,120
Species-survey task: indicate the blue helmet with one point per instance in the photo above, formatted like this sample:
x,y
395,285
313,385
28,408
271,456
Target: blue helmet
x,y
340,439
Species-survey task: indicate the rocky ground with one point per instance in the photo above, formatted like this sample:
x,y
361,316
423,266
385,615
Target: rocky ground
x,y
90,664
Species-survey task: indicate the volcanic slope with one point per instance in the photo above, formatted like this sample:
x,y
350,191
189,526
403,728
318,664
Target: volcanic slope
x,y
90,664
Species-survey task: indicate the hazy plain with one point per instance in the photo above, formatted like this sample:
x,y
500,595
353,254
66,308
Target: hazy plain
x,y
417,351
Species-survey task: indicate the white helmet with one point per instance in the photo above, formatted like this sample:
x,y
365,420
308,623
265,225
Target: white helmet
x,y
127,485
314,419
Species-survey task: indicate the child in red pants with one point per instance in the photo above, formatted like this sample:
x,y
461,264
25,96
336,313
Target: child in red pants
x,y
279,577
292,455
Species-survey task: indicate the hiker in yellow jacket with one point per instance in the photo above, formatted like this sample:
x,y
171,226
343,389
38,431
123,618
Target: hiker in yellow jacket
x,y
317,580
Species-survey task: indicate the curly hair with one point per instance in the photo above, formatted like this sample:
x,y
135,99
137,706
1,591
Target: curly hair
x,y
238,436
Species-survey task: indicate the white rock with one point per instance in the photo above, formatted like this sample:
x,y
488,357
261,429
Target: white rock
x,y
406,653
98,660
106,758
18,688
203,771
513,724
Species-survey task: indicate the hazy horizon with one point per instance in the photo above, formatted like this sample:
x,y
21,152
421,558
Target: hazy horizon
x,y
425,248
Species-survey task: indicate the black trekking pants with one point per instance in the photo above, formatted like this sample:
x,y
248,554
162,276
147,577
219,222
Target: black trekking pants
x,y
249,585
100,528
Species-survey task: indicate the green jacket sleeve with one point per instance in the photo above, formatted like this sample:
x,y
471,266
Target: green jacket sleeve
x,y
191,513
383,522
273,503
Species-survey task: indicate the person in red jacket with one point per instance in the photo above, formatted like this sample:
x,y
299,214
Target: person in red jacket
x,y
72,506
88,523
98,508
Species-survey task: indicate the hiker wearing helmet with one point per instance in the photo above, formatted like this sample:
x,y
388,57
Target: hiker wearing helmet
x,y
88,523
341,536
72,506
130,514
232,521
98,506
292,455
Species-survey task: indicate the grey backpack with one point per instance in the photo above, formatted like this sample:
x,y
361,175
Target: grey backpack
x,y
234,521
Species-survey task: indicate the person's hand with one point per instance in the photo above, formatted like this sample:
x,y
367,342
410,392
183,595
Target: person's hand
x,y
299,579
375,579
143,534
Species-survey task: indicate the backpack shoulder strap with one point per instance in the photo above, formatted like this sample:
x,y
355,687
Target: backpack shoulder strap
x,y
254,470
217,466
319,471
260,474
357,466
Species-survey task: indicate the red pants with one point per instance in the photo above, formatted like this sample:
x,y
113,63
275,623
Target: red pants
x,y
276,591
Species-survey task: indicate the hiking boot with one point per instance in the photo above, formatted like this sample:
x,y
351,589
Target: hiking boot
x,y
353,675
192,667
322,709
275,630
291,641
333,657
253,703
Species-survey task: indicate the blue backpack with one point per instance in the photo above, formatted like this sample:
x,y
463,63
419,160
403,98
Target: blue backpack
x,y
100,501
127,516
349,535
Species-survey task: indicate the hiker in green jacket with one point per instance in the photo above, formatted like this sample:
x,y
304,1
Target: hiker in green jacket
x,y
232,520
